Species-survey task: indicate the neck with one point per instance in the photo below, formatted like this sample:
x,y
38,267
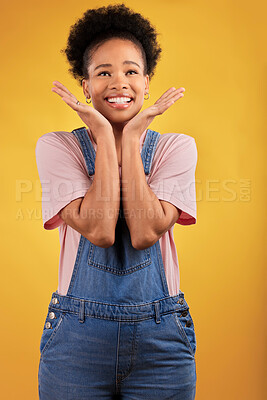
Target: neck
x,y
118,131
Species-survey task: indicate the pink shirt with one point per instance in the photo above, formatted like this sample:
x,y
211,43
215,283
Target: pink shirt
x,y
64,177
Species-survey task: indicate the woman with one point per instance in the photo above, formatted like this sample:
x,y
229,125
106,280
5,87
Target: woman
x,y
118,324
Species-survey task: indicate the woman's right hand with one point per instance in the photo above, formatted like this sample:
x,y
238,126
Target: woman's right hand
x,y
95,121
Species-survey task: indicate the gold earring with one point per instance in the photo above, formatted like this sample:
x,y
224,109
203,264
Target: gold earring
x,y
148,96
88,102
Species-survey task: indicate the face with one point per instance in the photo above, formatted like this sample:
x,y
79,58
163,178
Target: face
x,y
124,76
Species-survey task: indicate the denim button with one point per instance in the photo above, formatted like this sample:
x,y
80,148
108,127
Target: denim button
x,y
180,301
54,300
52,315
184,313
48,325
188,323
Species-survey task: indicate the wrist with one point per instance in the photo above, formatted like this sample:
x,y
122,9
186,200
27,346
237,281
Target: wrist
x,y
131,135
105,136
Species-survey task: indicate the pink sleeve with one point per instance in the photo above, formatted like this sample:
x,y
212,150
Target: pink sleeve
x,y
173,177
62,172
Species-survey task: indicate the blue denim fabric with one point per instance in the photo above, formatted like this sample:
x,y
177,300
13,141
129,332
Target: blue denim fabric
x,y
118,333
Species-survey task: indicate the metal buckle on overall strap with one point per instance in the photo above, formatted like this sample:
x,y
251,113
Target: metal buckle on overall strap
x,y
157,312
81,311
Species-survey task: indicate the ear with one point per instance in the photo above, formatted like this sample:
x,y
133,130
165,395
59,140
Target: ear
x,y
85,89
147,84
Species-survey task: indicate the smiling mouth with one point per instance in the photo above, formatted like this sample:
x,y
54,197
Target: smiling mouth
x,y
119,104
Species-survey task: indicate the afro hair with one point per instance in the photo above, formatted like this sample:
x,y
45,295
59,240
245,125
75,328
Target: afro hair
x,y
99,25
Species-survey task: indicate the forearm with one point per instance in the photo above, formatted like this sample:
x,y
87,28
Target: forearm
x,y
142,209
100,206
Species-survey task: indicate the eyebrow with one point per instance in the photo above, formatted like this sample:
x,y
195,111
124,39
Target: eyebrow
x,y
110,65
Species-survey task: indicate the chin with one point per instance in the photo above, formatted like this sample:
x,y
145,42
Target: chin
x,y
120,119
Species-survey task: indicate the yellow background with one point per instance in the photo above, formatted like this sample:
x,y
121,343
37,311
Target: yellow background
x,y
216,51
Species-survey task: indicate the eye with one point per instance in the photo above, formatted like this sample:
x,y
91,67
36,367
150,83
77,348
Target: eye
x,y
104,72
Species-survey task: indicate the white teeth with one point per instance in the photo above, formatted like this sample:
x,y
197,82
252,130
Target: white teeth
x,y
119,99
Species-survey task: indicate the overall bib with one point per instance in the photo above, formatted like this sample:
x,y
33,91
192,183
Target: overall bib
x,y
117,333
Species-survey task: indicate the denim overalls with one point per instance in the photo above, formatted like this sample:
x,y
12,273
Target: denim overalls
x,y
117,333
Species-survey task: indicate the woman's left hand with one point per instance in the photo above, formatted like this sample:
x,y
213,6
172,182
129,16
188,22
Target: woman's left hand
x,y
138,124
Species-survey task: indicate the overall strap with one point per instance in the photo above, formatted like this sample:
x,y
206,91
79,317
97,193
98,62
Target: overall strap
x,y
87,148
149,148
89,153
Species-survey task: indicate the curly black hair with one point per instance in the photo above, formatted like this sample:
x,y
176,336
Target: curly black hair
x,y
101,24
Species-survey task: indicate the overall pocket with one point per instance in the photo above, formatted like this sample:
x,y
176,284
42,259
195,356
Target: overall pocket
x,y
121,258
118,260
52,324
185,324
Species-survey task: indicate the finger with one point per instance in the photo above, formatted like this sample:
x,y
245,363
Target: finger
x,y
171,95
61,87
163,106
63,93
170,92
176,93
175,96
166,94
172,100
77,107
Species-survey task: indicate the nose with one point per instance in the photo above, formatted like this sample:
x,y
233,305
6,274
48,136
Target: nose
x,y
119,82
